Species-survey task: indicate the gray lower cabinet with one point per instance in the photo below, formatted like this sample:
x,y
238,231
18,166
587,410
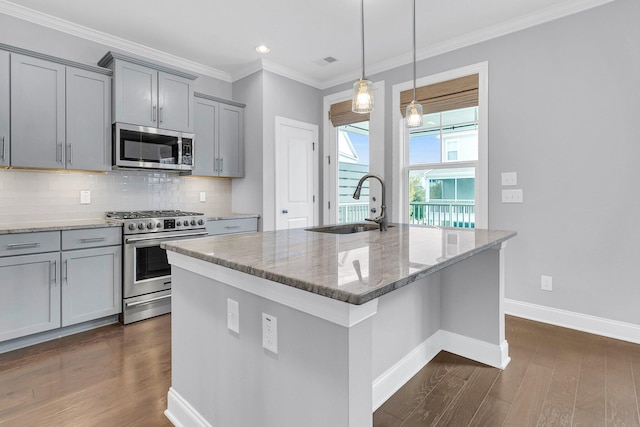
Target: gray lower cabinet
x,y
90,284
4,109
42,288
231,226
29,284
219,129
37,112
60,116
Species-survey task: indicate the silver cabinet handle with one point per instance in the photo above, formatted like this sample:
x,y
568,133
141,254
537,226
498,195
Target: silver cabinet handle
x,y
66,270
161,115
153,114
59,152
54,268
148,301
221,164
2,152
216,166
93,240
231,227
146,239
23,245
68,154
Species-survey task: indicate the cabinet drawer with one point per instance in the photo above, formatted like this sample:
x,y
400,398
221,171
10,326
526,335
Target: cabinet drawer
x,y
228,226
91,238
29,243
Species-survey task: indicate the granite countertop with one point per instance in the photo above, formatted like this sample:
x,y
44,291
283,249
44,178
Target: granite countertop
x,y
354,268
30,227
218,217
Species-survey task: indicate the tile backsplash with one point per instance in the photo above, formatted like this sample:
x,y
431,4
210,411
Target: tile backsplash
x,y
30,195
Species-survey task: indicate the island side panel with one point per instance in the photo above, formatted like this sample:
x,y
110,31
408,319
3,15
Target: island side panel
x,y
321,375
472,310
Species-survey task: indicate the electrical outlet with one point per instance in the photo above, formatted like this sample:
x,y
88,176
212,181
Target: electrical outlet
x,y
203,196
233,316
85,197
512,196
270,332
546,283
509,178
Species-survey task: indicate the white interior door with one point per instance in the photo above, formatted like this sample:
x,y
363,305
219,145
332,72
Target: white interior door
x,y
295,173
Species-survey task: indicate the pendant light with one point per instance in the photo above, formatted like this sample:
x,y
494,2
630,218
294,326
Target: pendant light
x,y
362,89
413,114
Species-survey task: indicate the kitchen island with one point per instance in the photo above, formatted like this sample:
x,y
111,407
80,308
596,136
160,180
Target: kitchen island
x,y
351,316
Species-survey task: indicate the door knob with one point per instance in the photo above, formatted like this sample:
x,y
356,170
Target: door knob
x,y
284,211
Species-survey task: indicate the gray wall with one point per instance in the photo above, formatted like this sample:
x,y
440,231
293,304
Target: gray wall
x,y
563,101
282,97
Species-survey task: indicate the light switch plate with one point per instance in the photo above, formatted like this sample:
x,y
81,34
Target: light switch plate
x,y
203,196
512,196
233,316
509,178
270,332
85,197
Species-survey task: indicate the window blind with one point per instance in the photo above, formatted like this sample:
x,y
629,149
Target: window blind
x,y
340,114
450,95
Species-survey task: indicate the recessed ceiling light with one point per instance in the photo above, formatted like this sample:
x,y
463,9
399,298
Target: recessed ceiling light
x,y
263,49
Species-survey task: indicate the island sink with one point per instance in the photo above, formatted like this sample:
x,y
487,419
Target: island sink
x,y
345,228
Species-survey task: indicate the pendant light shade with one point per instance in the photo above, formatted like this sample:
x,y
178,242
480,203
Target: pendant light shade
x,y
362,89
413,115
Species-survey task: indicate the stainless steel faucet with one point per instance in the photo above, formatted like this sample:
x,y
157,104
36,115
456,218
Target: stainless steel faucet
x,y
382,219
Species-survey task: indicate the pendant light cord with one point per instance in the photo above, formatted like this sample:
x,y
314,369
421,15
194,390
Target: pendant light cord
x,y
362,26
414,50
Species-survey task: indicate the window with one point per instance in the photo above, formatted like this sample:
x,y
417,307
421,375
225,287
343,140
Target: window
x,y
353,163
443,157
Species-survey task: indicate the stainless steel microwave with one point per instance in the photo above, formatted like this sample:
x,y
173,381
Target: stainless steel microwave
x,y
151,148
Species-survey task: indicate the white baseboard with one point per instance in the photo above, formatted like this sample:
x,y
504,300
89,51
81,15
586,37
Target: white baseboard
x,y
181,413
569,319
480,351
395,377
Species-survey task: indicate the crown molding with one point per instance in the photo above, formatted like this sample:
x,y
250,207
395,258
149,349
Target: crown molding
x,y
551,13
110,41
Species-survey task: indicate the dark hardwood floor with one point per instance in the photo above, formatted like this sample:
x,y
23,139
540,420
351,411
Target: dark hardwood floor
x,y
119,376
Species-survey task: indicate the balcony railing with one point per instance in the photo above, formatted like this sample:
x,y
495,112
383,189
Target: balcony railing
x,y
444,214
353,212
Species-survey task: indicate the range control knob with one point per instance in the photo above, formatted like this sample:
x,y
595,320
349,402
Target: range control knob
x,y
132,226
159,225
150,226
141,226
178,224
200,222
193,222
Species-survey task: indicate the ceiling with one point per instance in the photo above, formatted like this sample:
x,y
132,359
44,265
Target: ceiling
x,y
218,37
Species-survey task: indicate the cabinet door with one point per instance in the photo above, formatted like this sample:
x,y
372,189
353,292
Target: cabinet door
x,y
91,284
175,102
231,142
88,120
206,129
4,109
37,113
29,294
136,94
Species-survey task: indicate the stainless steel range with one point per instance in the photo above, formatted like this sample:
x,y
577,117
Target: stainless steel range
x,y
146,273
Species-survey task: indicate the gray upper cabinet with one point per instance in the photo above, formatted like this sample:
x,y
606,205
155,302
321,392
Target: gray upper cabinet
x,y
5,141
151,95
219,129
37,112
135,94
88,120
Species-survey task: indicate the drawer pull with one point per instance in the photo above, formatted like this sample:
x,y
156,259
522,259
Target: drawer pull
x,y
148,301
22,245
93,239
231,227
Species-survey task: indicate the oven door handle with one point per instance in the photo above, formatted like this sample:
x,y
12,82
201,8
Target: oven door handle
x,y
148,301
146,239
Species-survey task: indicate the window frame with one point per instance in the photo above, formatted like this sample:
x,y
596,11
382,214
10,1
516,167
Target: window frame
x,y
400,160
